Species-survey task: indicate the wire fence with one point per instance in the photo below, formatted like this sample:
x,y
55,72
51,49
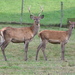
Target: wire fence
x,y
55,12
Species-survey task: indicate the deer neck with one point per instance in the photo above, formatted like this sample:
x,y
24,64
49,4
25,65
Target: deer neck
x,y
35,28
69,32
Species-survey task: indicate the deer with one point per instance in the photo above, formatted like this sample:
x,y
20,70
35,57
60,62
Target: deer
x,y
54,37
20,35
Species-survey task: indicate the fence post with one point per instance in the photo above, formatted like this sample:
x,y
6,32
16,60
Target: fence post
x,y
61,19
21,18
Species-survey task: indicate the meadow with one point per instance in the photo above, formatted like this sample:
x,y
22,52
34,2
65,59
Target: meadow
x,y
53,66
10,11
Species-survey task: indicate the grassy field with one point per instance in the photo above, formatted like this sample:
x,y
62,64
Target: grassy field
x,y
54,66
10,10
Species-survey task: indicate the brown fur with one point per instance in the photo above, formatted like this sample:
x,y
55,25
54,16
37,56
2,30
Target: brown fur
x,y
54,37
19,35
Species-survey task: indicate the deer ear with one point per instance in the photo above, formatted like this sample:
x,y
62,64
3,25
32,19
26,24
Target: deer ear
x,y
31,16
42,16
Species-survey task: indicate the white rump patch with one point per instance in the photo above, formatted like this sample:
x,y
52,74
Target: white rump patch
x,y
1,38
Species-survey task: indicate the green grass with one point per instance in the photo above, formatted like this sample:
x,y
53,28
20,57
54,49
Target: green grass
x,y
10,10
36,68
54,66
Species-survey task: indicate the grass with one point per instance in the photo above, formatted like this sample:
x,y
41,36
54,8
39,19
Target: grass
x,y
54,66
10,10
35,68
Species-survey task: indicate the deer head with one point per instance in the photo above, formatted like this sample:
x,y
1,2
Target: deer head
x,y
72,24
36,18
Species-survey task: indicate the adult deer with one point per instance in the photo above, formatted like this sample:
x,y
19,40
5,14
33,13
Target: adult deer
x,y
19,35
55,37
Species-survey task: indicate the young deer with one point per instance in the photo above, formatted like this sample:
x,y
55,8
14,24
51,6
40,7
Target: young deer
x,y
55,37
19,35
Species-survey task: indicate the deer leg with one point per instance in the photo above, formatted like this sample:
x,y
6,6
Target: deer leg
x,y
43,50
26,49
63,49
4,45
39,47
